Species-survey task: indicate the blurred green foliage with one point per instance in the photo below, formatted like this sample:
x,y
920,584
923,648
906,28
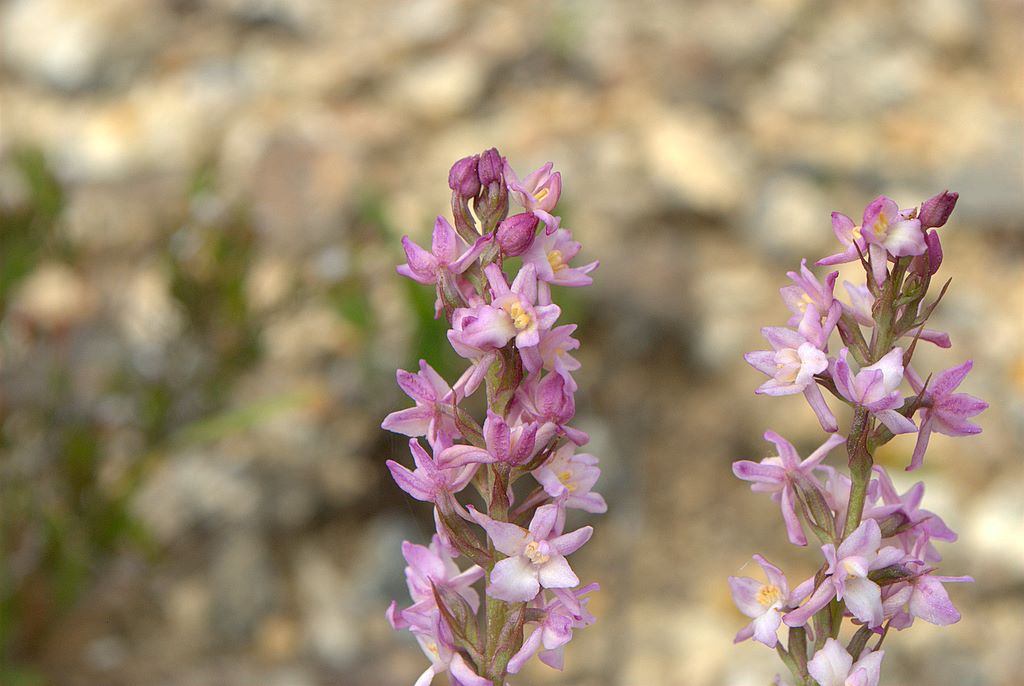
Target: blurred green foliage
x,y
61,517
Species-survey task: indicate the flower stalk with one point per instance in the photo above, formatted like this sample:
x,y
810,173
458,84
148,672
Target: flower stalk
x,y
877,544
506,332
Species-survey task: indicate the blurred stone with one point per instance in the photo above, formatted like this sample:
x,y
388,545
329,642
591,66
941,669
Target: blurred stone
x,y
440,87
74,44
305,335
54,298
242,582
696,161
790,218
332,632
194,488
106,653
147,314
298,15
101,218
421,21
187,607
995,525
278,638
268,282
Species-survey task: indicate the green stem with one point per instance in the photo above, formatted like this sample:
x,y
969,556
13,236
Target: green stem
x,y
860,469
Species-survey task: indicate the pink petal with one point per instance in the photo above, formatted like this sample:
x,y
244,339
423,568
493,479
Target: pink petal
x,y
931,602
414,421
461,455
744,594
569,543
410,483
507,538
831,665
896,422
464,674
543,521
864,600
514,580
556,573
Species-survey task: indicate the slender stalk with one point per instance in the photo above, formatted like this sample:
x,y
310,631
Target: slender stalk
x,y
860,469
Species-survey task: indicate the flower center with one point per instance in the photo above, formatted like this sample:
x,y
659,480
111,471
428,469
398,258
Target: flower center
x,y
856,233
848,568
541,194
805,300
556,261
520,317
787,361
565,476
769,595
881,225
536,553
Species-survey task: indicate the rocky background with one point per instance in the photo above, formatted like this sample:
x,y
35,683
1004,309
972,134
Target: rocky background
x,y
200,207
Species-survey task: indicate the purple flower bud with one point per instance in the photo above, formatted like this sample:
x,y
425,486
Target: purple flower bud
x,y
936,210
490,167
516,233
928,263
463,178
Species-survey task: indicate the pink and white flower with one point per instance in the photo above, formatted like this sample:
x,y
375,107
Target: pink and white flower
x,y
536,557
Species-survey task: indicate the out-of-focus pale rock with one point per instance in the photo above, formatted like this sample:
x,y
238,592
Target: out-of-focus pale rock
x,y
146,313
438,87
304,335
195,488
995,525
695,161
74,44
54,297
789,218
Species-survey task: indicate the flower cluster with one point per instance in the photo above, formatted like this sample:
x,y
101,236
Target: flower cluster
x,y
522,461
879,564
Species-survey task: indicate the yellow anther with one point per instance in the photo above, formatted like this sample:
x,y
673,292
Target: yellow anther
x,y
541,194
534,554
805,300
769,595
566,478
856,233
555,260
520,317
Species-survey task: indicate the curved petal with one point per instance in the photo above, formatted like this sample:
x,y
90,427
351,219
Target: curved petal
x,y
766,628
464,674
831,665
931,602
507,538
514,580
569,543
864,600
896,422
460,455
556,573
414,421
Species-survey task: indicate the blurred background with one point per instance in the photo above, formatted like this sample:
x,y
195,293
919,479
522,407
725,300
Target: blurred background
x,y
200,209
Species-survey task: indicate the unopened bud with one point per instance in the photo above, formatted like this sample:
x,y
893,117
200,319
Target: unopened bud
x,y
491,167
928,263
516,233
936,210
463,177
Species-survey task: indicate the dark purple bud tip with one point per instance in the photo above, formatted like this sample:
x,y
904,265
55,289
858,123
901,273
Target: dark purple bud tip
x,y
516,234
463,178
934,253
936,210
491,167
